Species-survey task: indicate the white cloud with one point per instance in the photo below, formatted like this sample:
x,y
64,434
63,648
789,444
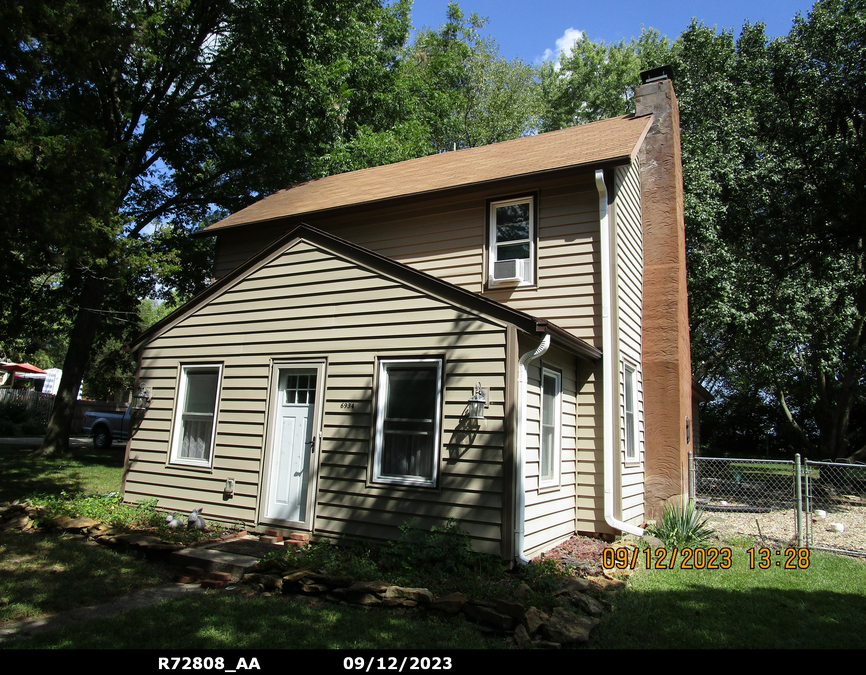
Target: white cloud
x,y
563,44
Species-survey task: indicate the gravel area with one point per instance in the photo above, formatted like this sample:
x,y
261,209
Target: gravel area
x,y
778,528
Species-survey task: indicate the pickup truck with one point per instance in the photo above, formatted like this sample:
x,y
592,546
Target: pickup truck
x,y
106,426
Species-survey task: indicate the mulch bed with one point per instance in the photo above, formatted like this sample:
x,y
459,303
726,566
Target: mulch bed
x,y
582,553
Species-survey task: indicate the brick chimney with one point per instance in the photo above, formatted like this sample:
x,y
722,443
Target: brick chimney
x,y
667,378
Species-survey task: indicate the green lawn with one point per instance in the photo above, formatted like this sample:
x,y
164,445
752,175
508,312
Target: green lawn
x,y
822,607
89,471
227,620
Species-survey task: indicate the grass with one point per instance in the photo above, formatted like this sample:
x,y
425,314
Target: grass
x,y
223,620
822,607
89,471
45,573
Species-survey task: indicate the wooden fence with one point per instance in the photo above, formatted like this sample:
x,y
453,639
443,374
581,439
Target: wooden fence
x,y
38,406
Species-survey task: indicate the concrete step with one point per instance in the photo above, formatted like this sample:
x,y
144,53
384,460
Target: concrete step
x,y
234,556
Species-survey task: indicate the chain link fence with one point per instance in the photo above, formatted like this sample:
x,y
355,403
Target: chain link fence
x,y
779,504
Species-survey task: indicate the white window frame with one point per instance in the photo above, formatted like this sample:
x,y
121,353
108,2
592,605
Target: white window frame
x,y
379,475
180,405
629,409
554,453
493,246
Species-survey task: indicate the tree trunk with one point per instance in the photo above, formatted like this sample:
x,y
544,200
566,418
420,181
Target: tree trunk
x,y
81,339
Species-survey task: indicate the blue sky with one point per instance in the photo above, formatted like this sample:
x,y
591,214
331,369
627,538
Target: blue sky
x,y
530,34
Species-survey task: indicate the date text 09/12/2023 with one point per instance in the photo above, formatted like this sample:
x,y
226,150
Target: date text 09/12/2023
x,y
703,558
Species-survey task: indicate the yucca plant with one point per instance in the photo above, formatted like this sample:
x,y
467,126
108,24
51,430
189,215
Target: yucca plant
x,y
681,525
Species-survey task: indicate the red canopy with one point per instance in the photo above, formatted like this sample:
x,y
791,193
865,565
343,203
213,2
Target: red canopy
x,y
21,368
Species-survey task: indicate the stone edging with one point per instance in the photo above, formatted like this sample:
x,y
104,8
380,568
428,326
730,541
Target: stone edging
x,y
527,627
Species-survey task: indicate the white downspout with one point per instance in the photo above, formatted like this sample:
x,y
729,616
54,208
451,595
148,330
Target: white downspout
x,y
522,396
610,379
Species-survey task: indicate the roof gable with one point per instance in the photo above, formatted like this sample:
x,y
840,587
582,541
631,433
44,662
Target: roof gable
x,y
608,141
424,282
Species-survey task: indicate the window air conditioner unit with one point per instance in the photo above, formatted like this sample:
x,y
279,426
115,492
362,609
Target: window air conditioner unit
x,y
507,272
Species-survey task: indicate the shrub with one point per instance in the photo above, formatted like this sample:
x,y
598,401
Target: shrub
x,y
446,549
681,525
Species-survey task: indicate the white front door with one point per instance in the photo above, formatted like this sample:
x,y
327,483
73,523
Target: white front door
x,y
294,445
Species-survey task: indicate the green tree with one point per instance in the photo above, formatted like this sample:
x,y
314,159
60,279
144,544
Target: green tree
x,y
118,116
774,171
597,80
450,89
776,166
468,95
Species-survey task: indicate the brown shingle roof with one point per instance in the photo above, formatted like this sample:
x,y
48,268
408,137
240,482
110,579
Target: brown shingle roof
x,y
609,140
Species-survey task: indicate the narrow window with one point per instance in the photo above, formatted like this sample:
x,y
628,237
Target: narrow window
x,y
407,422
551,390
195,415
630,430
512,242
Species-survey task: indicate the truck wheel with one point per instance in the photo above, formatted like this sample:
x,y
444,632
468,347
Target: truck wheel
x,y
102,438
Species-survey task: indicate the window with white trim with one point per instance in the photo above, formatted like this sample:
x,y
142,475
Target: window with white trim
x,y
195,415
630,404
511,256
408,412
551,426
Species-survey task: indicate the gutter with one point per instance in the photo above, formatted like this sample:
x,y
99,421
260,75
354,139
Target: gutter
x,y
610,384
522,396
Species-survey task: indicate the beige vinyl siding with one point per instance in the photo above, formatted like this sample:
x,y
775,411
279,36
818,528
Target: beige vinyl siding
x,y
308,304
446,237
590,444
629,263
550,510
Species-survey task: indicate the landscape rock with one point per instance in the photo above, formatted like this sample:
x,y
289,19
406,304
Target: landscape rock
x,y
359,598
74,524
576,585
566,628
521,638
369,587
450,604
488,616
20,521
586,604
270,582
419,595
513,609
653,542
534,619
606,583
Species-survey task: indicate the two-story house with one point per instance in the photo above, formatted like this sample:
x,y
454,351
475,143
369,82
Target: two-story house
x,y
496,334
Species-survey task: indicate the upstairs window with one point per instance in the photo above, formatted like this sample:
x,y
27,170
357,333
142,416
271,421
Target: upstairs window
x,y
512,242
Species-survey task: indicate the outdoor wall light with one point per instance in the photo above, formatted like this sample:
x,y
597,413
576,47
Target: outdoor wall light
x,y
477,403
140,400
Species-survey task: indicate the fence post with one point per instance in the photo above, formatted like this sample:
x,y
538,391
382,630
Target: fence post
x,y
808,504
798,475
692,495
